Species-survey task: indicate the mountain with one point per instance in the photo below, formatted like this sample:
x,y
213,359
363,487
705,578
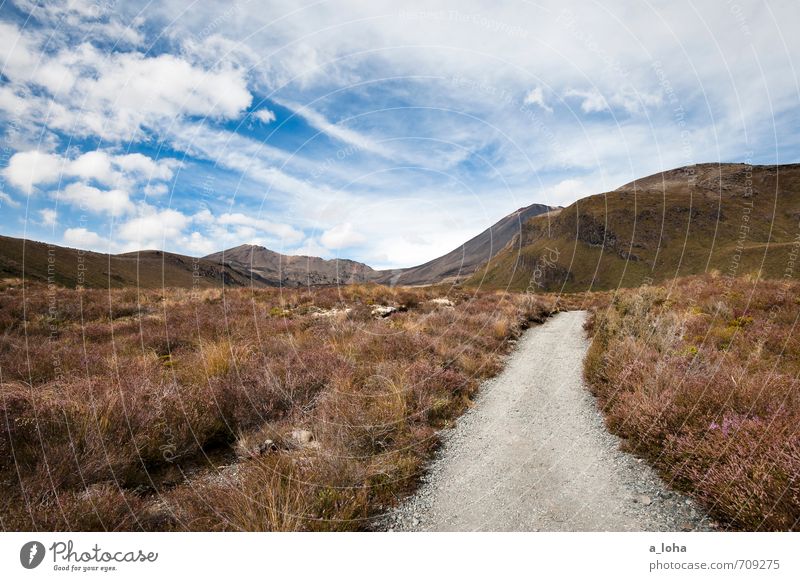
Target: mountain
x,y
70,267
271,268
464,260
736,219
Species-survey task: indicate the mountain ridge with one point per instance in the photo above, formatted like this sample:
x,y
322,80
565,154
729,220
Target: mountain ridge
x,y
737,219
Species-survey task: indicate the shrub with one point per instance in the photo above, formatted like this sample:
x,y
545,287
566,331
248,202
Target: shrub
x,y
710,398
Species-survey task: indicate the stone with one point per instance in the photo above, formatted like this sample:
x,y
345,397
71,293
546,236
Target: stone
x,y
303,436
267,446
381,311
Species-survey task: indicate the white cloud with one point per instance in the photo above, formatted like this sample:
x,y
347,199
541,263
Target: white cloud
x,y
91,199
120,173
5,198
30,168
341,236
155,190
536,97
86,239
93,165
338,131
565,192
198,244
265,116
48,217
311,247
153,228
591,100
285,233
119,94
146,167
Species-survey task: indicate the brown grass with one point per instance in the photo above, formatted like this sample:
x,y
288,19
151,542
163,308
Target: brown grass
x,y
701,378
242,410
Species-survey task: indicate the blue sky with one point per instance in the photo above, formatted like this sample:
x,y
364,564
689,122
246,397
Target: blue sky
x,y
384,133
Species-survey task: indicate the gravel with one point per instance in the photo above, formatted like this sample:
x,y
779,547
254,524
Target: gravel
x,y
533,454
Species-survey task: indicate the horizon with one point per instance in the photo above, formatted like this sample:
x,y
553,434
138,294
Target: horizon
x,y
359,138
341,257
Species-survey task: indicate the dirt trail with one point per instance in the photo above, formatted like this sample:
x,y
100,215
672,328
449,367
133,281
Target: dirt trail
x,y
533,454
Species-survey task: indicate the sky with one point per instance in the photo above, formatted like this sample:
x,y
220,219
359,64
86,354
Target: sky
x,y
385,132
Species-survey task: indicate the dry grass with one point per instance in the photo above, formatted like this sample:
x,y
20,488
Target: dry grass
x,y
702,379
242,410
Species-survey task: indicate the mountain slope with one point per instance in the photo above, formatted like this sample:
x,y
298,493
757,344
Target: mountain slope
x,y
733,218
464,260
275,269
146,269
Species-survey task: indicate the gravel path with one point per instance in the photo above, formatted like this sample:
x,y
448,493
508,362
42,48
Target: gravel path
x,y
533,454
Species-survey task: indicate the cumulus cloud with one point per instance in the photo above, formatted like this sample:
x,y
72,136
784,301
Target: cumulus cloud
x,y
285,233
29,168
565,191
90,199
155,190
591,100
536,97
115,95
48,217
120,173
86,239
153,228
341,236
265,116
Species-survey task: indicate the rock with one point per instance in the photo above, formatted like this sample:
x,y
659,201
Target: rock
x,y
381,311
318,313
303,436
643,499
267,446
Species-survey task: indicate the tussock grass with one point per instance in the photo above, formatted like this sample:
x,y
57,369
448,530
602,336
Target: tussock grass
x,y
701,378
244,410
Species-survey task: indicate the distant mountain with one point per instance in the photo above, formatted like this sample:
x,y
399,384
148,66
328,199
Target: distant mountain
x,y
70,267
271,268
462,262
733,218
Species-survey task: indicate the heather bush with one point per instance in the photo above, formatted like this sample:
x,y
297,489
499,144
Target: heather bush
x,y
703,382
248,409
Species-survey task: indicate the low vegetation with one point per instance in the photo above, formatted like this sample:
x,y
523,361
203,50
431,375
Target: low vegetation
x,y
736,218
701,378
246,409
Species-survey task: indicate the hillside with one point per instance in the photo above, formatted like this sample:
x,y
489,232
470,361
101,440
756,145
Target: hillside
x,y
463,261
69,267
280,269
733,218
